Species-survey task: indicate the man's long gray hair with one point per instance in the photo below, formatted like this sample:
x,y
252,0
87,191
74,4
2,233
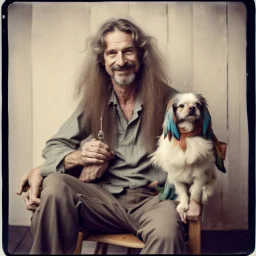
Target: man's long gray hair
x,y
94,85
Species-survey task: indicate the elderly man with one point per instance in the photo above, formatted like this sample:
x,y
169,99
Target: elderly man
x,y
107,183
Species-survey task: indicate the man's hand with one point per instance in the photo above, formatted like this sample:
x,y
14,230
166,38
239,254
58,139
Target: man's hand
x,y
92,152
96,152
93,171
30,184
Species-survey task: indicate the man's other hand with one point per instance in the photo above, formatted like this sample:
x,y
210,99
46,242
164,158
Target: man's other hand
x,y
93,171
30,183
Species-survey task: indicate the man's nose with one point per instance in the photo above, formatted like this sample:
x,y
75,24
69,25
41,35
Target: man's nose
x,y
120,59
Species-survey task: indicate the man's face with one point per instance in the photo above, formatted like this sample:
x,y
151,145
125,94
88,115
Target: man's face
x,y
121,57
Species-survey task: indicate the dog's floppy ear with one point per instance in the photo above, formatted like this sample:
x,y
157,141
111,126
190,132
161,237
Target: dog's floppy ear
x,y
169,126
207,120
207,123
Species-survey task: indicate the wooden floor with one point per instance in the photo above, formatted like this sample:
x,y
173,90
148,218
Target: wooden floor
x,y
213,242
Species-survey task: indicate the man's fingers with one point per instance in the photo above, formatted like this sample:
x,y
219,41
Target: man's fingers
x,y
153,184
102,145
94,155
183,217
92,161
23,185
34,193
96,152
33,200
27,202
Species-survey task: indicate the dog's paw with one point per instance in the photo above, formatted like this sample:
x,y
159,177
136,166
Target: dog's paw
x,y
182,207
205,197
206,193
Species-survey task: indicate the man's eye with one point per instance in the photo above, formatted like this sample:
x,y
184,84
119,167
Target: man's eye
x,y
181,106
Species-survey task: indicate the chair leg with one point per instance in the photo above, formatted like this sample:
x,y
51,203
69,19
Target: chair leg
x,y
97,248
79,243
194,242
103,249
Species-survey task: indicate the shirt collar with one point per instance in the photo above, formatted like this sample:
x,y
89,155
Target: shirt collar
x,y
113,100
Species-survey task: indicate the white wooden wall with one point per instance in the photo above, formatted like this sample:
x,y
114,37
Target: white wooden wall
x,y
204,44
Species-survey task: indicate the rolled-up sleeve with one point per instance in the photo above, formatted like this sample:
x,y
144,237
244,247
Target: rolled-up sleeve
x,y
65,141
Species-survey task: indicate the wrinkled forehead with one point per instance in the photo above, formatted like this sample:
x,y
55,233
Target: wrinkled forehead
x,y
187,98
118,39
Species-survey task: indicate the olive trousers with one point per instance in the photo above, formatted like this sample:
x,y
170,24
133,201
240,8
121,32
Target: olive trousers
x,y
68,204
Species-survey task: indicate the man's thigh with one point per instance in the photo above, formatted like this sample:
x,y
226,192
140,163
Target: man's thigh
x,y
97,208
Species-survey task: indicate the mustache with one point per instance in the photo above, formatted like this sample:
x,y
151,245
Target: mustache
x,y
126,66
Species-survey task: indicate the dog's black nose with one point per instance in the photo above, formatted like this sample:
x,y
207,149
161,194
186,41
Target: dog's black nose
x,y
192,109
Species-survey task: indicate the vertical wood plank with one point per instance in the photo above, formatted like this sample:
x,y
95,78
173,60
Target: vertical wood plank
x,y
59,31
210,79
20,101
237,116
151,17
101,11
179,45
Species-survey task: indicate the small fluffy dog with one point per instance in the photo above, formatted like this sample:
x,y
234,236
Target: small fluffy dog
x,y
188,150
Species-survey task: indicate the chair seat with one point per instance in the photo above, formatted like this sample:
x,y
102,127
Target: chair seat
x,y
127,240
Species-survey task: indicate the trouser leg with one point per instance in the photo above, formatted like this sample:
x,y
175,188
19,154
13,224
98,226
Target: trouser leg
x,y
66,204
158,223
161,229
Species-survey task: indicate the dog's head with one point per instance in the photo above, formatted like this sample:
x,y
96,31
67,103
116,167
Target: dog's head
x,y
186,108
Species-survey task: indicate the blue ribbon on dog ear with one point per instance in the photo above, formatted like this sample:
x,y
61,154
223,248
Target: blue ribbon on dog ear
x,y
169,127
206,122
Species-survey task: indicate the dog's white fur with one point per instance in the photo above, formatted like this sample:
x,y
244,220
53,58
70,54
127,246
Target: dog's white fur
x,y
191,171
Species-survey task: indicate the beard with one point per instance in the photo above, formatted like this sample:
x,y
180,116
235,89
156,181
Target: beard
x,y
124,80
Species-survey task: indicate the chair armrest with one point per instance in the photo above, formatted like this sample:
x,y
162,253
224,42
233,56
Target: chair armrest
x,y
194,218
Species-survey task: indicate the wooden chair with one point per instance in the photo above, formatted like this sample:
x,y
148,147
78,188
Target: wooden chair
x,y
131,241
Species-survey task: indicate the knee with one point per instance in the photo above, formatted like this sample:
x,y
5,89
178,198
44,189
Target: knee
x,y
53,180
166,232
54,185
165,225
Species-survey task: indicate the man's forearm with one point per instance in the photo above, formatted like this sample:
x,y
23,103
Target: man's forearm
x,y
72,160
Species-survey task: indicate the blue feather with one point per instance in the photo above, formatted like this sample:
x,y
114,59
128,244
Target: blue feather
x,y
206,123
170,126
167,192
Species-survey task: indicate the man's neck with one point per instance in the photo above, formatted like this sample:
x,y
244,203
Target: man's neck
x,y
125,94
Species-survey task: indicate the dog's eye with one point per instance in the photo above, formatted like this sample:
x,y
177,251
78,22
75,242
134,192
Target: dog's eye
x,y
181,106
198,105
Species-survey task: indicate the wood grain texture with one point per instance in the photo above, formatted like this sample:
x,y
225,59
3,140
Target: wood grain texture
x,y
20,90
237,196
210,79
179,45
151,17
100,12
59,31
127,240
194,243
